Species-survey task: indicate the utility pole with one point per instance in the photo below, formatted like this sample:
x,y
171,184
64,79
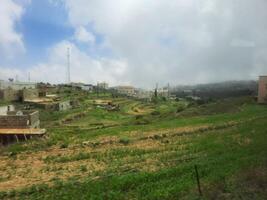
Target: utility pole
x,y
68,65
168,90
156,91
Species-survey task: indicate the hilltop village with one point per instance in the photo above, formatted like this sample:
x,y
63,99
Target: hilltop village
x,y
21,102
58,139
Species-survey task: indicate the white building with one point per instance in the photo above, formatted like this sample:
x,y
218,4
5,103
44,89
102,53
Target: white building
x,y
5,109
16,85
127,90
102,85
87,87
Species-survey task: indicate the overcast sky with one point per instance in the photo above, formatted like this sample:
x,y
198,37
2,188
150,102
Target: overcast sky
x,y
137,42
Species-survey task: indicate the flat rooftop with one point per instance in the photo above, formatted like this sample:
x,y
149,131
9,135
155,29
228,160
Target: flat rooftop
x,y
22,131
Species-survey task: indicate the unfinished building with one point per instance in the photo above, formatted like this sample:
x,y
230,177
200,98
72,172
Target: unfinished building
x,y
51,105
9,94
17,91
19,125
262,93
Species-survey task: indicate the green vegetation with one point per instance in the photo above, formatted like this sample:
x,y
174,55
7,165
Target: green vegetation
x,y
142,151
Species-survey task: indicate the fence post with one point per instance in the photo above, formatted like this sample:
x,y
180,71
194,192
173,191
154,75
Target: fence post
x,y
198,182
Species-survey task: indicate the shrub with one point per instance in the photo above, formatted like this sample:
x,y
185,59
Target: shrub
x,y
64,146
124,141
155,112
139,117
83,168
180,109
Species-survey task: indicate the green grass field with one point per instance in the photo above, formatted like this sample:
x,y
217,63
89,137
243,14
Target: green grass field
x,y
143,151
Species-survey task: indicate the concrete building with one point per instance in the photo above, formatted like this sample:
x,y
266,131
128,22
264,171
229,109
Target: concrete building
x,y
53,105
9,94
87,87
163,92
5,109
126,90
20,119
63,105
17,91
16,85
262,94
102,86
16,126
144,94
29,94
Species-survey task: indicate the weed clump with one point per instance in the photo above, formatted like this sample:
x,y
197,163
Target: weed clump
x,y
64,146
124,141
155,113
83,168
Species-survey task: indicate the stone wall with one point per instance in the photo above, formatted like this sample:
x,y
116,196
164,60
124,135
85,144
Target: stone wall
x,y
28,94
5,109
34,120
10,95
64,106
28,119
14,121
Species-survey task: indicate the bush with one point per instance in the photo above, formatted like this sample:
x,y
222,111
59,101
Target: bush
x,y
138,117
83,168
180,109
64,146
155,113
124,141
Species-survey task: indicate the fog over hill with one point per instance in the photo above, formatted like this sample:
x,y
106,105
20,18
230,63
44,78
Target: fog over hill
x,y
218,90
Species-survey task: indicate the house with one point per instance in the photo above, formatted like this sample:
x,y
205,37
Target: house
x,y
17,91
163,92
9,94
262,92
17,85
87,87
51,105
63,105
20,119
102,86
126,90
143,94
5,109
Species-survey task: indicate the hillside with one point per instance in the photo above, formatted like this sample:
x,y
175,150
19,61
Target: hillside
x,y
143,150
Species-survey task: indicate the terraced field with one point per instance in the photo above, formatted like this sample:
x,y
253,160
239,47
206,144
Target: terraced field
x,y
144,151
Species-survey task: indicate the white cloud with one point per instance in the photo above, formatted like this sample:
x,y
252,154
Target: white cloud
x,y
173,41
176,41
83,67
82,35
11,41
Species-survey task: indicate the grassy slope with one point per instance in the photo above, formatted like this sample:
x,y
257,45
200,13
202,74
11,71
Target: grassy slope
x,y
165,170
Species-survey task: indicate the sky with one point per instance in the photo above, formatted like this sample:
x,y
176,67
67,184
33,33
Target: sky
x,y
133,42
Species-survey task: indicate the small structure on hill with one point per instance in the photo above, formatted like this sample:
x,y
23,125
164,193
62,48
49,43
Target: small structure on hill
x,y
17,85
5,109
125,90
88,87
17,91
107,104
102,86
53,103
262,94
19,125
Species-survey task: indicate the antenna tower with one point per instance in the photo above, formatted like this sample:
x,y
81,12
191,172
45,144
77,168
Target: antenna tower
x,y
68,65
